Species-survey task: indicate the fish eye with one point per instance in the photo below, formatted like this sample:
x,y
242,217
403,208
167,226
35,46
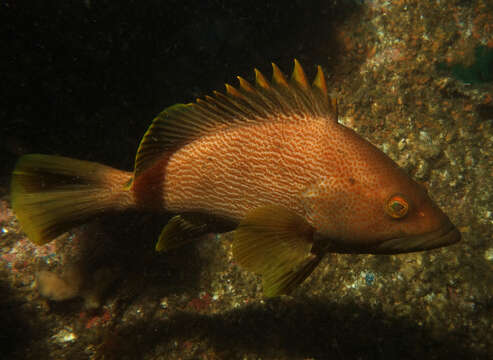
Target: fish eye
x,y
397,206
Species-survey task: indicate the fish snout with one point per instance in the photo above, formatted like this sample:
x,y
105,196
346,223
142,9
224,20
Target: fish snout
x,y
446,235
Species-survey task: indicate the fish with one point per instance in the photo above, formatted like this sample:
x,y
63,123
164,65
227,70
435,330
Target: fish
x,y
267,160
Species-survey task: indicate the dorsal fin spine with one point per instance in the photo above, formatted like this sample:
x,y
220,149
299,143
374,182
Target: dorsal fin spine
x,y
211,111
319,82
282,100
299,76
225,112
232,91
245,85
261,81
258,108
242,110
278,76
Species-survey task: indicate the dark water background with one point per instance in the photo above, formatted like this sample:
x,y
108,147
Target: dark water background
x,y
84,79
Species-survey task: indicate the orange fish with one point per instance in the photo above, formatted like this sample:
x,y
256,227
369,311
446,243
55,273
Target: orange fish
x,y
268,159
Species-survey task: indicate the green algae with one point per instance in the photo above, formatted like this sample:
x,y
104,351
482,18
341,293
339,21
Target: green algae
x,y
480,72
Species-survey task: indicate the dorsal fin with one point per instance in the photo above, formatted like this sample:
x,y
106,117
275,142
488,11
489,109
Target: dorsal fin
x,y
279,100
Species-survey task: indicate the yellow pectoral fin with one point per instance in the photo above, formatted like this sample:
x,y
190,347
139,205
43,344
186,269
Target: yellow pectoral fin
x,y
284,279
276,243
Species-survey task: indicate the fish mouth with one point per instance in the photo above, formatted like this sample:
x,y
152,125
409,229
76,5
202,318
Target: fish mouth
x,y
446,235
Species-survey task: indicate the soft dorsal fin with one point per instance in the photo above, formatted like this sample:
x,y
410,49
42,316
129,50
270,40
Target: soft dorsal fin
x,y
279,100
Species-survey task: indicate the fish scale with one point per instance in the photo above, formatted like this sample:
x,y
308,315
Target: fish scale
x,y
254,170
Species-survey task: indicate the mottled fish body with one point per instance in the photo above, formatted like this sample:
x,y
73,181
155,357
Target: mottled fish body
x,y
269,158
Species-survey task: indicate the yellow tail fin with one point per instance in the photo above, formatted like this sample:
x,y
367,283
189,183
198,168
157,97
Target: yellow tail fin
x,y
51,194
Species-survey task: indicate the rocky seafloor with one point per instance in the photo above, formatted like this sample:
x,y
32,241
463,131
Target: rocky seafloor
x,y
412,77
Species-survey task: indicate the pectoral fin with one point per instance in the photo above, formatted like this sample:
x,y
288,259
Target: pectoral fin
x,y
285,280
275,242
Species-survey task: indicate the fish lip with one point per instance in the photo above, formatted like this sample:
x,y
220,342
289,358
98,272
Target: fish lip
x,y
445,235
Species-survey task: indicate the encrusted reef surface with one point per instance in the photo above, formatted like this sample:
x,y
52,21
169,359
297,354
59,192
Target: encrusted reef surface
x,y
85,79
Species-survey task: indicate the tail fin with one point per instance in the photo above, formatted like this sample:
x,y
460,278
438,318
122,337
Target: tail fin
x,y
51,194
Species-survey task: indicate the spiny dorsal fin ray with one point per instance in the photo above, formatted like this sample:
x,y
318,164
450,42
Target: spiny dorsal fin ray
x,y
261,80
278,77
299,76
280,100
319,82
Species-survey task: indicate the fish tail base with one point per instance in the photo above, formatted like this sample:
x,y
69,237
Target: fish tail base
x,y
52,194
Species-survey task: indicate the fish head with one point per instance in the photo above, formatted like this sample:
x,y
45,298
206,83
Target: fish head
x,y
378,210
406,219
